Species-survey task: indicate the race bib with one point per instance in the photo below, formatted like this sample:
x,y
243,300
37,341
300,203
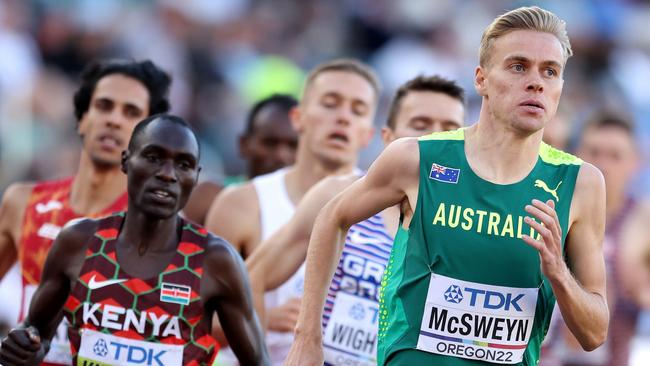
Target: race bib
x,y
99,349
476,321
59,352
351,334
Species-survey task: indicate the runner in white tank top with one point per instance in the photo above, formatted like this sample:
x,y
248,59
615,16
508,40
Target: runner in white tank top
x,y
334,121
275,210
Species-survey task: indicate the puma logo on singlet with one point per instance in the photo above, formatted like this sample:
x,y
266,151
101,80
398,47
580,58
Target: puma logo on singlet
x,y
541,184
49,206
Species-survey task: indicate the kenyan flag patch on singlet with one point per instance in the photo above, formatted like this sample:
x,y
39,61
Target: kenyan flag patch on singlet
x,y
177,294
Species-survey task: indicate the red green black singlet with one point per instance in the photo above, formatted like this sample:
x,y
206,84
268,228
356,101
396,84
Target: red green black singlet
x,y
118,319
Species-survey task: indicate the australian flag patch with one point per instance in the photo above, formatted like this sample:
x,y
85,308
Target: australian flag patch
x,y
444,174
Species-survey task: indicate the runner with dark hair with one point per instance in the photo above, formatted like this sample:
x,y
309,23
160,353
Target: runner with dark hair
x,y
113,97
143,286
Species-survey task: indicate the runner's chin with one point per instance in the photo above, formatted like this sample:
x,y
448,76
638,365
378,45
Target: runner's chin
x,y
159,209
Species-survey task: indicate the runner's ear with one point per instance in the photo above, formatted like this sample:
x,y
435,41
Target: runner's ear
x,y
479,81
295,117
125,157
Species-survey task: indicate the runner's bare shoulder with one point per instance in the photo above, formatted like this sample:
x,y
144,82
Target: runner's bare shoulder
x,y
220,255
330,186
218,245
76,234
398,164
241,197
224,273
17,194
14,201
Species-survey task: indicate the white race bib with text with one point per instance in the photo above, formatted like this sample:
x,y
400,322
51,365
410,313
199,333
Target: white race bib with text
x,y
476,321
101,349
351,334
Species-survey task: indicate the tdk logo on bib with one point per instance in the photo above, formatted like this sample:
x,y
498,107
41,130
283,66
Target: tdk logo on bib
x,y
357,311
137,355
454,294
494,300
484,298
127,353
100,348
105,349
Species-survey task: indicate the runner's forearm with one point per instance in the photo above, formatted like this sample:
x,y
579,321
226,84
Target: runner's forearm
x,y
585,313
257,291
322,257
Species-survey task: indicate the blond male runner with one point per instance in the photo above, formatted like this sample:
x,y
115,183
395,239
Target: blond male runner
x,y
470,281
334,121
422,105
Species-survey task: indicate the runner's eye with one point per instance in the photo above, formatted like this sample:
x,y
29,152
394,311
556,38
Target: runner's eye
x,y
550,72
518,67
330,101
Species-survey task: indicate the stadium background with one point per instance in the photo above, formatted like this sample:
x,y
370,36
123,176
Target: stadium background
x,y
226,54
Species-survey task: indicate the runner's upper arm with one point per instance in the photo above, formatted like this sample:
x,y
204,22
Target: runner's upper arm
x,y
234,216
584,242
280,256
12,211
60,272
226,291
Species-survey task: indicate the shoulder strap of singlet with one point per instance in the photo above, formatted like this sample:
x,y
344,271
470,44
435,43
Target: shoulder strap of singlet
x,y
273,199
108,229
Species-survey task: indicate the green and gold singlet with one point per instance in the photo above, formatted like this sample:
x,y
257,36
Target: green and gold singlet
x,y
461,286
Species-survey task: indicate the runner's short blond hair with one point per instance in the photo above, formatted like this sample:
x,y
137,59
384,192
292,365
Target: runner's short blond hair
x,y
524,18
345,65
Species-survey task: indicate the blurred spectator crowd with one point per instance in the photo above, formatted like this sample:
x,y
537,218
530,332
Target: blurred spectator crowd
x,y
226,54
